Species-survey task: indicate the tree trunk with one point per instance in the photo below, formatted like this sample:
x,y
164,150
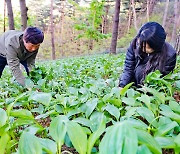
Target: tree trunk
x,y
53,55
23,14
173,37
4,16
147,10
165,13
129,17
106,22
152,3
134,15
115,28
10,15
61,26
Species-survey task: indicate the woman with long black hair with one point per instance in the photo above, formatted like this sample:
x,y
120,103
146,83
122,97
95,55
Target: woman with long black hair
x,y
148,52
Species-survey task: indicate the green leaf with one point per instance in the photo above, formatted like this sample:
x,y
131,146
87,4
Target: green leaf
x,y
166,111
114,111
94,136
83,121
91,105
4,142
29,144
58,129
164,129
174,106
48,145
145,99
120,138
44,98
149,141
22,113
148,115
143,149
77,136
124,90
177,140
3,118
128,101
166,142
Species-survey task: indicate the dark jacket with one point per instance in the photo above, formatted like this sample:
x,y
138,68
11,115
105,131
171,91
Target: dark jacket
x,y
12,48
135,64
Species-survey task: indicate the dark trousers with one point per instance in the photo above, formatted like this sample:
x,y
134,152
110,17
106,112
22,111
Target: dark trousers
x,y
3,63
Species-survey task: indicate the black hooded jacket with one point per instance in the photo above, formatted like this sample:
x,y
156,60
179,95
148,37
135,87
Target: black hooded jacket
x,y
135,64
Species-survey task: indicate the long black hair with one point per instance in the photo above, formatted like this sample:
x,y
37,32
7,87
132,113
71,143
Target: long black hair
x,y
153,34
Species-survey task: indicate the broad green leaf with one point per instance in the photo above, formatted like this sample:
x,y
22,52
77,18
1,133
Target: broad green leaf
x,y
4,139
114,111
94,136
148,115
91,105
83,121
33,129
124,90
3,118
48,145
44,98
136,123
145,99
174,106
29,83
143,149
128,101
164,129
21,122
73,91
29,144
149,141
77,137
166,111
166,142
177,140
58,129
119,138
22,113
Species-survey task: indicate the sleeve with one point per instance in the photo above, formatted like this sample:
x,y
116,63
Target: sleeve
x,y
31,61
129,66
170,64
14,65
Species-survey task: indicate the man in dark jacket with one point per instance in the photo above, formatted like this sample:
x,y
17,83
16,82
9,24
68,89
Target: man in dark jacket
x,y
148,52
20,47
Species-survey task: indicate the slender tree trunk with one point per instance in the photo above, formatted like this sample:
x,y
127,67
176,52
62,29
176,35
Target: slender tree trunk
x,y
106,22
53,55
4,16
10,14
152,4
23,14
129,17
165,13
134,15
61,27
173,37
148,10
115,27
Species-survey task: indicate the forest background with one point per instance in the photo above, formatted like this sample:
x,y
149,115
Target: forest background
x,y
83,27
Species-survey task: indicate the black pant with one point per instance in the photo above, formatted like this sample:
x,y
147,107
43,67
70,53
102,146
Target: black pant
x,y
3,63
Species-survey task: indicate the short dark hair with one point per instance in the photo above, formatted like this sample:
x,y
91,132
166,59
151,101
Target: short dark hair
x,y
153,34
33,35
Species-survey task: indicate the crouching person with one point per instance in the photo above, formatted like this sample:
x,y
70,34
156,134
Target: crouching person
x,y
17,47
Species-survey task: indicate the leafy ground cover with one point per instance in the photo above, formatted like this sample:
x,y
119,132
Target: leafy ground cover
x,y
74,106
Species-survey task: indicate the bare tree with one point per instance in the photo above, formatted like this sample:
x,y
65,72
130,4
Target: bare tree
x,y
10,14
165,13
134,15
115,27
53,55
4,16
23,14
173,37
130,14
